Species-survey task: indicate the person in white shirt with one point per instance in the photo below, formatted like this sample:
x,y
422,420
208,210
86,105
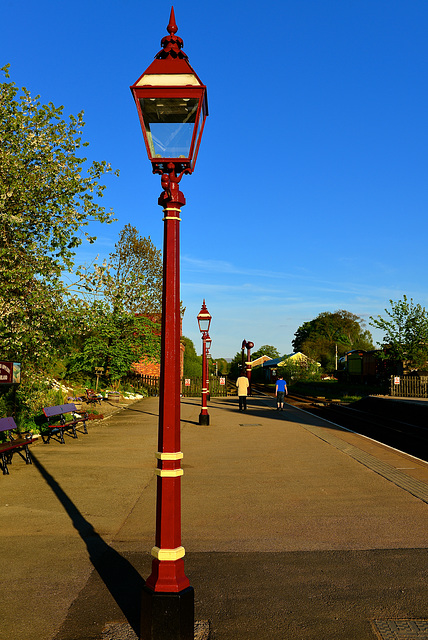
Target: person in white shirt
x,y
242,384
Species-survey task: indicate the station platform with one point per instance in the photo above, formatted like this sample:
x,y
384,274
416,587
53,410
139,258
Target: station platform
x,y
293,528
421,401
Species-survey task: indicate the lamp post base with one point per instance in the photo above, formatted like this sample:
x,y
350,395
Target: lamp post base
x,y
167,616
204,419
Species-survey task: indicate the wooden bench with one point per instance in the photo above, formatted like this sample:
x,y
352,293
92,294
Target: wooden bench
x,y
58,422
91,397
16,443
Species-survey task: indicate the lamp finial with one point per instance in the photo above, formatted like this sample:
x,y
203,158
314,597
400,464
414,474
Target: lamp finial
x,y
172,44
172,27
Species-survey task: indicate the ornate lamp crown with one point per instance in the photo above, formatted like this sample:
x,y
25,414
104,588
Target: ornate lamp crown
x,y
204,319
172,107
171,44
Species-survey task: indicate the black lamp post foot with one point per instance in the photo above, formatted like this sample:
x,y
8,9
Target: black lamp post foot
x,y
167,616
204,420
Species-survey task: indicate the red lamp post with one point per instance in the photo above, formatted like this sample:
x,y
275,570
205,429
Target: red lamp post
x,y
208,343
244,344
172,107
204,322
248,346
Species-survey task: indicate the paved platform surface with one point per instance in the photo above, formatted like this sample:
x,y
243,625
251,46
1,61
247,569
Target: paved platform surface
x,y
293,529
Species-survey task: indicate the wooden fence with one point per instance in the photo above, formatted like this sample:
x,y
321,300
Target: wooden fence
x,y
150,384
409,386
190,387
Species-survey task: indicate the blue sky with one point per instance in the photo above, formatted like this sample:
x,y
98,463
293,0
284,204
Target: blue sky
x,y
310,192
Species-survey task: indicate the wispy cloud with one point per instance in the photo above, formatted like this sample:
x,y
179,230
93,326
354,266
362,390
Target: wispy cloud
x,y
297,288
221,266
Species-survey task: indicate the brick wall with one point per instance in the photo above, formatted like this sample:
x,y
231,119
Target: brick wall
x,y
147,367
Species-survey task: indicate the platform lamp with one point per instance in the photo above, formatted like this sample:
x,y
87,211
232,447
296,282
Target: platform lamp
x,y
250,345
172,107
246,364
204,323
208,343
243,345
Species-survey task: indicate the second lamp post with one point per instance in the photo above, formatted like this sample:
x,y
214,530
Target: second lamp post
x,y
204,322
249,346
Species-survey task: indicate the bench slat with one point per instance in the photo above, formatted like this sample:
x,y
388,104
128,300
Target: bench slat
x,y
10,447
92,397
6,424
15,444
59,409
59,412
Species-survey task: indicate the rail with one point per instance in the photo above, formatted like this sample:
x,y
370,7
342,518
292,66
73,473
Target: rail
x,y
402,427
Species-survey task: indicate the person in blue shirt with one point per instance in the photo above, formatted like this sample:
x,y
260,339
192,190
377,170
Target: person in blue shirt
x,y
280,392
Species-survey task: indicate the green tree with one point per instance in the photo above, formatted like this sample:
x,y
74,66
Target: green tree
x,y
134,274
318,337
405,329
222,366
192,366
48,195
266,350
113,340
236,365
121,292
292,372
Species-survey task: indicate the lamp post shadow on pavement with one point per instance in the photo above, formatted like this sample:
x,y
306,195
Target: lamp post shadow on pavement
x,y
172,107
121,579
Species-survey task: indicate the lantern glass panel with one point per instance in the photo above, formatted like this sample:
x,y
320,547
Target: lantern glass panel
x,y
201,121
169,124
204,324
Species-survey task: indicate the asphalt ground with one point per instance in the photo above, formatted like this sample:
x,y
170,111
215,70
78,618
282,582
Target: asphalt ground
x,y
293,529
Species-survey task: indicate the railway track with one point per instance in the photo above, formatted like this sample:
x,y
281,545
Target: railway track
x,y
398,425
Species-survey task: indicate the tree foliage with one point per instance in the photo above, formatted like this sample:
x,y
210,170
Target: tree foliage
x,y
114,340
192,366
48,195
222,366
405,329
124,295
133,277
294,371
235,367
266,350
318,338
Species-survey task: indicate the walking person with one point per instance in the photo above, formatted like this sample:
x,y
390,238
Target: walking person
x,y
280,391
242,384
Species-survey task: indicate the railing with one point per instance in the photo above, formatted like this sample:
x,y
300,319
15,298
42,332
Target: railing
x,y
409,386
150,384
190,387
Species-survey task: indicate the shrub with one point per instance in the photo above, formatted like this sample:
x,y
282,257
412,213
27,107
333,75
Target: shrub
x,y
293,372
32,395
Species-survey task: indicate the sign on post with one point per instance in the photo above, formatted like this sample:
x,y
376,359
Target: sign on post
x,y
10,372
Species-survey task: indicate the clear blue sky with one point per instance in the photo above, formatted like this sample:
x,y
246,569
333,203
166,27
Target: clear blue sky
x,y
310,192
